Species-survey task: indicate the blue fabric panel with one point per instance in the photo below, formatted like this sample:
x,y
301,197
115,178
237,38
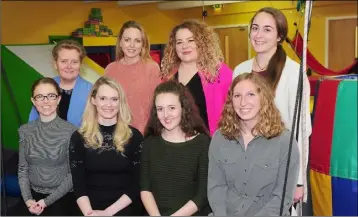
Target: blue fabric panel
x,y
344,197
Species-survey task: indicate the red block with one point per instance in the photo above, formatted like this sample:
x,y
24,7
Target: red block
x,y
322,131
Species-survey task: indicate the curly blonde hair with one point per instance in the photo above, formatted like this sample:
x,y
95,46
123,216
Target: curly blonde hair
x,y
269,124
90,127
209,52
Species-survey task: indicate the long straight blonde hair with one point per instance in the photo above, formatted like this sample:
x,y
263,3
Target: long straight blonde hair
x,y
90,127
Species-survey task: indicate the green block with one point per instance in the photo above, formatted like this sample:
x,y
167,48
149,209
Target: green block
x,y
21,77
344,144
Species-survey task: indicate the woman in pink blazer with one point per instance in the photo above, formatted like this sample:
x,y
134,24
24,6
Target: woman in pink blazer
x,y
194,58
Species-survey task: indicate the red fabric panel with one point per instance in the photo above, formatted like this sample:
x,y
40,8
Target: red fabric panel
x,y
155,54
322,131
101,59
312,62
313,85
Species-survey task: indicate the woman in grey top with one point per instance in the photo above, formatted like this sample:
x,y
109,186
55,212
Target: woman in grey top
x,y
44,173
248,154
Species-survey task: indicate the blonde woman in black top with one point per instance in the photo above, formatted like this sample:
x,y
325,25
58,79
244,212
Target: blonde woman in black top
x,y
104,154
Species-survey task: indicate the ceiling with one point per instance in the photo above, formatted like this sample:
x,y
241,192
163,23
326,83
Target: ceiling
x,y
174,5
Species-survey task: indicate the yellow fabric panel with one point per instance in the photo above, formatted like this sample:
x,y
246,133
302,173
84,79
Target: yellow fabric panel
x,y
321,189
311,103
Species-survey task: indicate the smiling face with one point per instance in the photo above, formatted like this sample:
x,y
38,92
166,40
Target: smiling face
x,y
169,110
68,64
107,104
263,34
246,101
131,42
46,99
185,46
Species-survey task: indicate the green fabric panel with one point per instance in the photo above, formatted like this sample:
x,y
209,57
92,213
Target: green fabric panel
x,y
21,76
8,119
344,143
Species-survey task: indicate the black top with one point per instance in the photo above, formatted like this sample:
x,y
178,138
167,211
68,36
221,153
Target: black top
x,y
196,89
104,174
176,173
64,103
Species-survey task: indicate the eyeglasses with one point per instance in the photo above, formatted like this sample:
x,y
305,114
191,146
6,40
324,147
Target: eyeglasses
x,y
50,96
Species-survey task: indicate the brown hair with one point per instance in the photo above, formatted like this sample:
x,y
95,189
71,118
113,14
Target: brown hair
x,y
45,80
68,44
191,122
145,53
278,60
269,124
208,44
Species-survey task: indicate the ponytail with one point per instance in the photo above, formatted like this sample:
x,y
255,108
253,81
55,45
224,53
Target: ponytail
x,y
275,67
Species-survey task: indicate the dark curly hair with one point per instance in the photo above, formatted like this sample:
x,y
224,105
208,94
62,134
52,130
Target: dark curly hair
x,y
191,123
208,46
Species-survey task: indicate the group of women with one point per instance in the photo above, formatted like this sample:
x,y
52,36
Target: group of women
x,y
191,137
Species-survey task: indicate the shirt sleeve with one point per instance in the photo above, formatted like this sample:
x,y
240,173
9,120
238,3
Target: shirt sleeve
x,y
23,169
302,142
133,191
217,187
201,199
77,164
64,187
144,168
33,114
60,191
272,207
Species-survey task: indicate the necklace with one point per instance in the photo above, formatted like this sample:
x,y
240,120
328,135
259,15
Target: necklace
x,y
261,69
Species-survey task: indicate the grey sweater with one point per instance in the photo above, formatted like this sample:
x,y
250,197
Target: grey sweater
x,y
43,159
250,182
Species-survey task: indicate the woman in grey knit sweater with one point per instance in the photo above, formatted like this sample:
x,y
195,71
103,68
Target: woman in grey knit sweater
x,y
44,173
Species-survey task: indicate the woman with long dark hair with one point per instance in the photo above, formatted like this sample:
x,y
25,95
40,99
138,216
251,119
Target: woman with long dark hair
x,y
268,30
174,162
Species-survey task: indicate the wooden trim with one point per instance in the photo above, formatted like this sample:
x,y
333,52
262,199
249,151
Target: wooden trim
x,y
238,25
326,53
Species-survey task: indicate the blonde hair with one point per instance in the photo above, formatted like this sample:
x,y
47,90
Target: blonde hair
x,y
68,44
209,52
145,52
269,124
90,127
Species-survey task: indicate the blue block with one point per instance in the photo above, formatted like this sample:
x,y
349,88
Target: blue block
x,y
344,197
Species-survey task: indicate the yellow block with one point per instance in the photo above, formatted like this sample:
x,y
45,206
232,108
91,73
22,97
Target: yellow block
x,y
99,41
99,69
321,189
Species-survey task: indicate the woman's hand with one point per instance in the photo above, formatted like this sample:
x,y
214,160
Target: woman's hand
x,y
298,196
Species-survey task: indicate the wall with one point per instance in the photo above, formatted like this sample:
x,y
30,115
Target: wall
x,y
29,22
241,13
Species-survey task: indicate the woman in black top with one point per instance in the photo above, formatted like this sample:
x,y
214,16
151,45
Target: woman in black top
x,y
174,160
104,154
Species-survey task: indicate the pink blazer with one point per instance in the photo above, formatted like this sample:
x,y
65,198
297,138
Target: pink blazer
x,y
215,94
